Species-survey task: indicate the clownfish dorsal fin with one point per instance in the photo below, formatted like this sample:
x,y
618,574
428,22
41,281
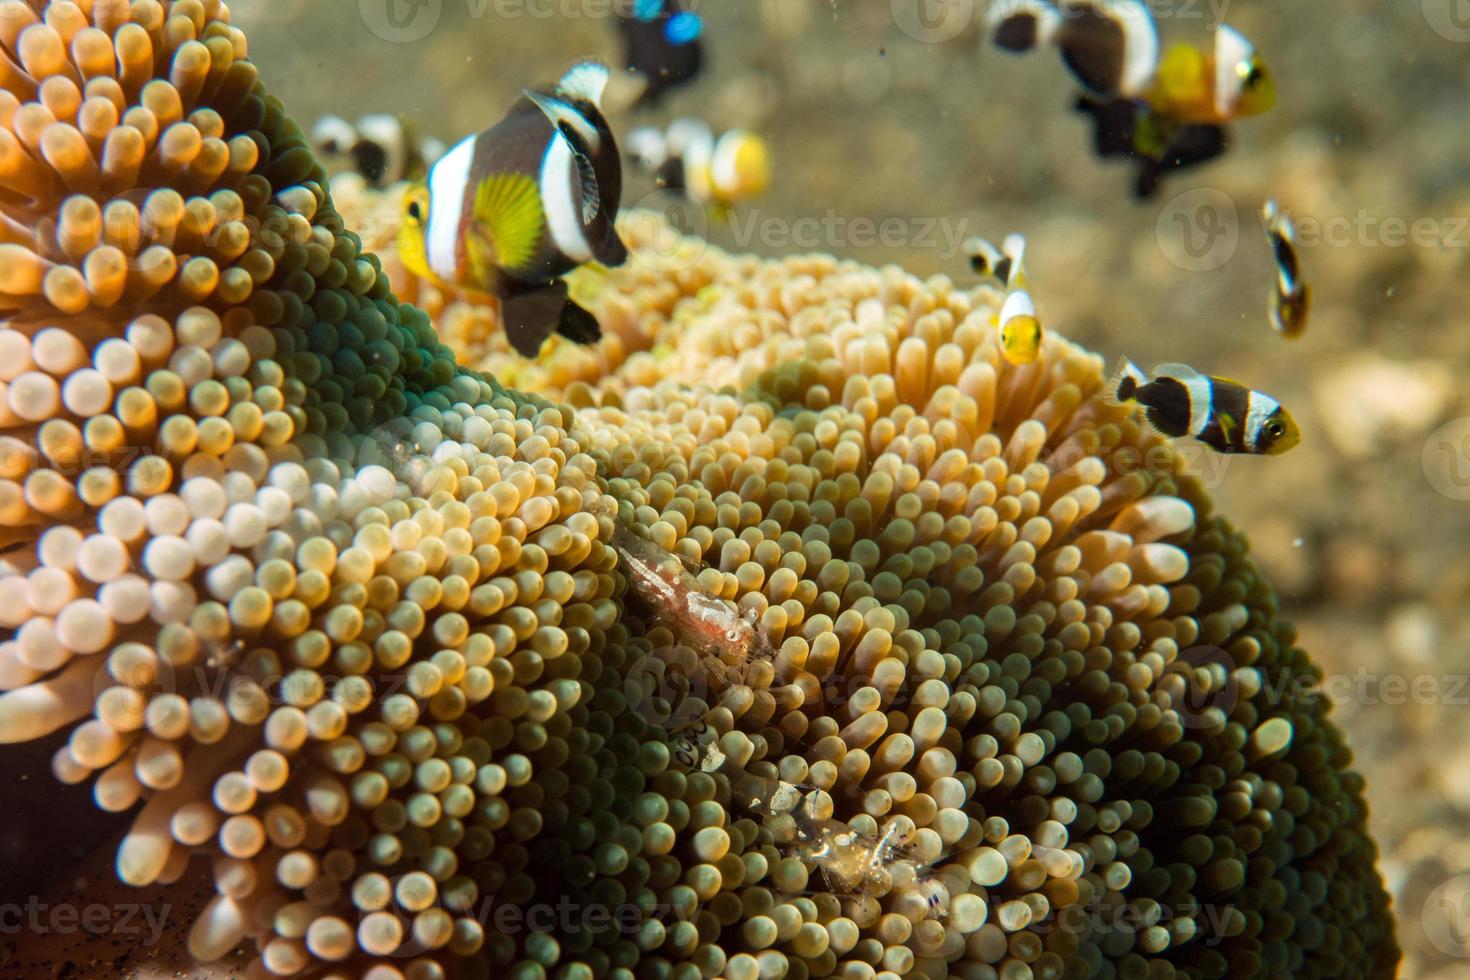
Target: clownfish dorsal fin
x,y
584,82
1180,372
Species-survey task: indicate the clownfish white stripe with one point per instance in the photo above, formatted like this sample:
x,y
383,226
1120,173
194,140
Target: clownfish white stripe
x,y
1258,409
448,181
563,208
1017,303
1141,46
1201,398
1232,50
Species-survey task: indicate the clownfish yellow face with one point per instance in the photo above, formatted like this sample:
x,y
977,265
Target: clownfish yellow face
x,y
1257,87
1020,328
1243,86
1020,339
411,250
1277,434
741,167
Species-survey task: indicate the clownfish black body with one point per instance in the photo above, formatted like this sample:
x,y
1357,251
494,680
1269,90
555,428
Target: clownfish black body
x,y
511,211
1178,401
1126,129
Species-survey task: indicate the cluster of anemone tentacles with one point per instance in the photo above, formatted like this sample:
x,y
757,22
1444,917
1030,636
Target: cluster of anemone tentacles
x,y
340,618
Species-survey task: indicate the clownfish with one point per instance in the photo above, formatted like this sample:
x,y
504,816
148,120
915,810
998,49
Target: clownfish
x,y
721,172
1178,401
1018,324
512,210
1165,108
661,41
383,148
1291,296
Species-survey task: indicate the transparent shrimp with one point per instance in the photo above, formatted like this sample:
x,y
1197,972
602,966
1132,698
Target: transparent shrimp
x,y
727,640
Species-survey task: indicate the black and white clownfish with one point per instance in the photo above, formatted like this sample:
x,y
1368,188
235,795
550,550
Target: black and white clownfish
x,y
1017,322
721,172
1291,296
511,211
661,40
1167,109
1178,401
383,148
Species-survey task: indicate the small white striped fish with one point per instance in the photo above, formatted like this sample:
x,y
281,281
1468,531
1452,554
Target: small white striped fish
x,y
1017,321
1178,401
720,172
1291,297
512,210
383,148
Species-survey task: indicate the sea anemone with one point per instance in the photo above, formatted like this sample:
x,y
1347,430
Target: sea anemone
x,y
341,614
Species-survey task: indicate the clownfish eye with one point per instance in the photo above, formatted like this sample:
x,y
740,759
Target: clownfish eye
x,y
1253,76
1275,430
415,212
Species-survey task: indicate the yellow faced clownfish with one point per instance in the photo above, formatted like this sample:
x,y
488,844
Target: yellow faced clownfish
x,y
721,172
1291,296
1017,321
1113,48
1228,417
511,211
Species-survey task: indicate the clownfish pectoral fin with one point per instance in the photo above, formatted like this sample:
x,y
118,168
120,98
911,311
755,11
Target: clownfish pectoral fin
x,y
508,223
591,193
578,325
581,137
531,316
585,82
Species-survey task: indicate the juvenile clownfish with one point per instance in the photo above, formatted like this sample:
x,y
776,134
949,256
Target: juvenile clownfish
x,y
1178,401
661,41
1017,322
383,148
720,172
1291,296
511,211
1166,111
